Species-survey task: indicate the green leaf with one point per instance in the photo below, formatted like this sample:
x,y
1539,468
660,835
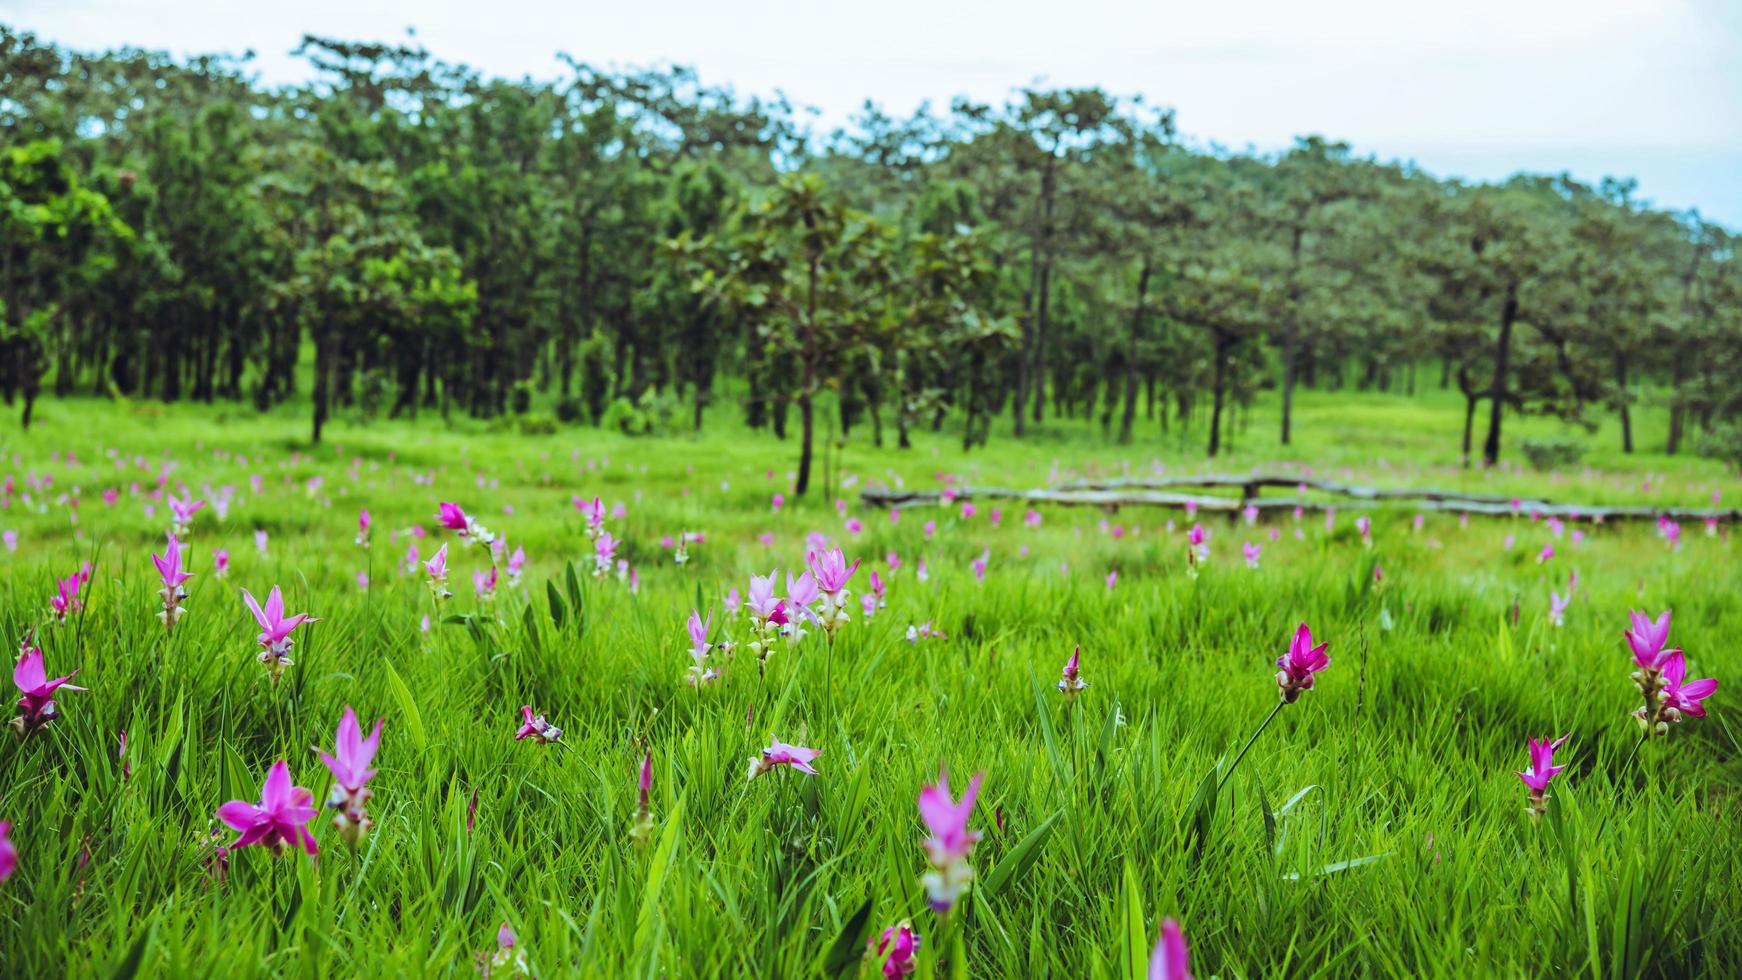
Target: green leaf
x,y
1016,863
845,951
557,613
129,965
573,582
656,871
408,707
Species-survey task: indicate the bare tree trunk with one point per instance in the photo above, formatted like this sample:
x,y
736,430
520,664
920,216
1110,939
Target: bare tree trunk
x,y
1497,393
1131,357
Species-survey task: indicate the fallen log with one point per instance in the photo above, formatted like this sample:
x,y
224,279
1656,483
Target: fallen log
x,y
1441,502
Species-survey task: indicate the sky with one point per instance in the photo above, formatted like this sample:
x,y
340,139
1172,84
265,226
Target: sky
x,y
1480,89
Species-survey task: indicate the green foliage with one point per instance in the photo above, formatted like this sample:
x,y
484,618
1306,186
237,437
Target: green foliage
x,y
1552,454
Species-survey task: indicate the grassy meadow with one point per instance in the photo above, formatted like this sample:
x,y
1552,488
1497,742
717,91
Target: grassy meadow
x,y
1375,828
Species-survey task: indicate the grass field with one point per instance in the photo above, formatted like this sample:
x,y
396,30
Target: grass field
x,y
1375,828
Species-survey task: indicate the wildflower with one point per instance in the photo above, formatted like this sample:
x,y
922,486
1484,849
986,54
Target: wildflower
x,y
1249,514
363,529
1299,664
220,563
779,501
1365,526
452,517
275,627
895,950
930,528
1670,531
978,565
1031,519
604,552
484,584
509,960
803,594
169,568
1171,959
1197,549
779,753
349,765
1680,699
66,600
1251,552
1557,607
643,826
121,757
1647,638
279,820
831,572
1543,556
541,731
920,572
950,842
1072,681
182,511
924,631
516,565
8,851
594,512
700,672
1541,770
36,708
260,542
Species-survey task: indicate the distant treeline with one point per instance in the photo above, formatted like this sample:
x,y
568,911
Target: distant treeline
x,y
621,242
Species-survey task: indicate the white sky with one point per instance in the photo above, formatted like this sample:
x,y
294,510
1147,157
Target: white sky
x,y
1477,88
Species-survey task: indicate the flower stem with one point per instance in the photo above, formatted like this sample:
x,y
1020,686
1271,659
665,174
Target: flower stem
x,y
1243,749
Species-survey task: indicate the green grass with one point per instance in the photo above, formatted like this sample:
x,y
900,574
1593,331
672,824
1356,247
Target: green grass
x,y
1376,828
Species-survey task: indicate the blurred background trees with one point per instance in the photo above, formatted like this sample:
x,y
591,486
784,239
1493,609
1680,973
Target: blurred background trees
x,y
635,248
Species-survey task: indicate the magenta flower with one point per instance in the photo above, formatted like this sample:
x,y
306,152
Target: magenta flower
x,y
1031,518
830,569
1171,959
642,828
803,593
484,583
535,727
437,567
700,672
1251,553
452,517
516,565
279,820
66,601
763,603
1683,699
779,753
275,628
895,950
1071,682
351,774
1112,579
978,565
8,852
1543,556
170,570
36,708
950,841
1299,664
1647,638
604,553
1365,526
1541,770
363,522
779,501
220,562
182,511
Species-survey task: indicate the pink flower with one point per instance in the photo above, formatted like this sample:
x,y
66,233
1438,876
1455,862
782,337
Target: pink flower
x,y
534,726
1251,552
779,501
8,852
351,773
1171,959
452,517
170,570
802,591
1679,698
1032,518
182,511
1545,554
762,601
1299,664
930,528
699,647
967,510
275,627
1071,682
281,817
484,583
950,841
1647,638
1557,607
220,562
1112,579
978,565
831,570
779,753
260,541
1541,770
65,601
36,708
896,950
516,564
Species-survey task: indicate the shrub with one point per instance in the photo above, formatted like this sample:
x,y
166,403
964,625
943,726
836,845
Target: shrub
x,y
569,410
1550,454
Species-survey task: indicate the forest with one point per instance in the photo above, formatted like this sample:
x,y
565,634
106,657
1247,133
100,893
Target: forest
x,y
629,248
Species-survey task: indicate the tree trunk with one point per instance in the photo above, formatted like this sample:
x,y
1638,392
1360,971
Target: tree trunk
x,y
1497,392
1470,403
1621,395
1677,376
1131,357
321,388
1220,382
1038,374
1289,355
